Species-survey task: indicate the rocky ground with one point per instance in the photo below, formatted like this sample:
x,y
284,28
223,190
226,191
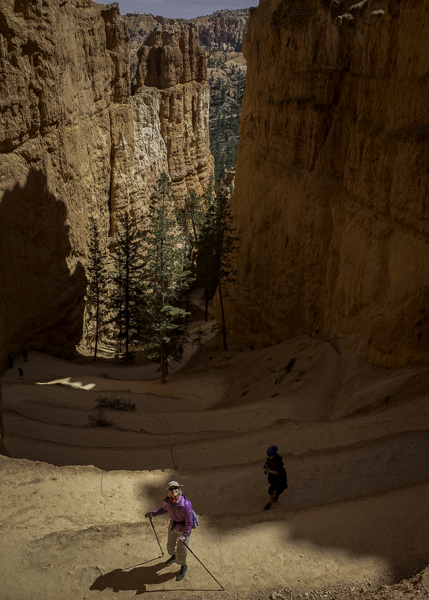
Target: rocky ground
x,y
353,523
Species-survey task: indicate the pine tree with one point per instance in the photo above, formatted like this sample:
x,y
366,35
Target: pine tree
x,y
205,246
216,247
190,219
126,298
165,275
225,247
198,339
97,281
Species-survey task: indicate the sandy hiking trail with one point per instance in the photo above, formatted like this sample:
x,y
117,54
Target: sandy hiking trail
x,y
355,441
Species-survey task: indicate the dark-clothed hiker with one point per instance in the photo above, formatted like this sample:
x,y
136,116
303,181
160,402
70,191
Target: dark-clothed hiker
x,y
25,354
277,476
179,509
21,373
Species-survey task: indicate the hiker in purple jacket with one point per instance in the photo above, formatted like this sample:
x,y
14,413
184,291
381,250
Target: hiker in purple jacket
x,y
179,510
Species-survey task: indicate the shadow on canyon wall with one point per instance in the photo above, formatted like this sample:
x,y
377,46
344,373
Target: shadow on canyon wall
x,y
41,300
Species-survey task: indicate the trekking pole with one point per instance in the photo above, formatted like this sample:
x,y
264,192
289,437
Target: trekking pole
x,y
221,586
150,519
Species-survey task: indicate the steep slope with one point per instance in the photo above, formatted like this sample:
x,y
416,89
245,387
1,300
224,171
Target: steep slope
x,y
74,143
354,438
172,67
332,179
64,117
222,30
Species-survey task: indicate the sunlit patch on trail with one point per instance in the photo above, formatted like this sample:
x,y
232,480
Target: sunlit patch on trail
x,y
69,383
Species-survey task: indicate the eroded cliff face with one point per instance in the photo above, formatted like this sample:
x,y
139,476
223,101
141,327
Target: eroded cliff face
x,y
74,143
331,181
64,119
223,30
172,68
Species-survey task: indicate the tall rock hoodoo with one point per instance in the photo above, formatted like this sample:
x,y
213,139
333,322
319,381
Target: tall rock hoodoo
x,y
223,30
172,68
332,178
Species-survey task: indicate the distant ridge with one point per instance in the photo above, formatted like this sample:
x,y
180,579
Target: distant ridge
x,y
222,30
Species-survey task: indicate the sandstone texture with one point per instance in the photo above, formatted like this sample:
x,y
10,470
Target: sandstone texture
x,y
74,143
139,26
331,177
172,67
222,30
355,440
63,96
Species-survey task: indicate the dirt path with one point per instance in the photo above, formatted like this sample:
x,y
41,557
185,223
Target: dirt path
x,y
355,441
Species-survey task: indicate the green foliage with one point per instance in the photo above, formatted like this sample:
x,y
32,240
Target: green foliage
x,y
189,219
99,420
198,339
115,403
226,97
126,298
216,245
165,275
96,292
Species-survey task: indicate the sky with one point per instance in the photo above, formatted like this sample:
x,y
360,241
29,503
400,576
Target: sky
x,y
185,9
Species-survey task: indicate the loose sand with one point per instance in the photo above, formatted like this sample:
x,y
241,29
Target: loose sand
x,y
355,441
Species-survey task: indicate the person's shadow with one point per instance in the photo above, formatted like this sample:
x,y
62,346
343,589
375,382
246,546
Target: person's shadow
x,y
133,580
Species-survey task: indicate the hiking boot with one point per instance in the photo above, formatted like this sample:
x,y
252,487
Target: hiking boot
x,y
267,506
171,560
182,572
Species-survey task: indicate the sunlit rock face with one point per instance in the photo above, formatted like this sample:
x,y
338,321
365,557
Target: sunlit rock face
x,y
225,32
331,197
222,30
172,67
74,143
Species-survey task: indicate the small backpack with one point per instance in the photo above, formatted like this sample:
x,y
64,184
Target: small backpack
x,y
194,515
194,520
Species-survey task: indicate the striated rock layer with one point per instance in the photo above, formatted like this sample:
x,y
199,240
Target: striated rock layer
x,y
332,178
172,67
65,119
74,143
222,30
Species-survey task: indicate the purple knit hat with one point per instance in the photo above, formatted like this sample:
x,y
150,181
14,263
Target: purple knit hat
x,y
272,450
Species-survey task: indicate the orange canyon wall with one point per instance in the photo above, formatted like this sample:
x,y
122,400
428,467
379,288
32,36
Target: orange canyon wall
x,y
75,143
331,198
